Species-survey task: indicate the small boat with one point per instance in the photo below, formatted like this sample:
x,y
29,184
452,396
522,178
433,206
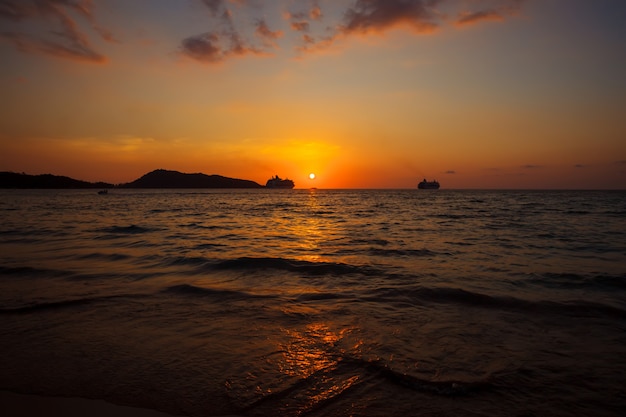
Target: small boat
x,y
277,182
101,192
428,185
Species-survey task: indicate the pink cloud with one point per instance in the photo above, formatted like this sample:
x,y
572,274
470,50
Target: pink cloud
x,y
498,14
63,38
267,36
316,12
470,18
300,26
372,16
214,48
263,31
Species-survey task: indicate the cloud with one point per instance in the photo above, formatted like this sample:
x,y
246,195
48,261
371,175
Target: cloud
x,y
242,27
300,26
60,35
531,166
204,47
316,12
499,13
216,46
468,18
212,47
264,32
213,5
451,172
300,21
372,16
72,50
375,17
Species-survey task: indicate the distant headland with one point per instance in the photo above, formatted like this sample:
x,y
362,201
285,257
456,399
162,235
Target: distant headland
x,y
162,178
15,180
159,178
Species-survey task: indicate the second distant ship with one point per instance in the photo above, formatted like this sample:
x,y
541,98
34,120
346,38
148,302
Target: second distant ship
x,y
277,182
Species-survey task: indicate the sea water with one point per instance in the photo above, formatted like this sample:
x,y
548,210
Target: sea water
x,y
317,302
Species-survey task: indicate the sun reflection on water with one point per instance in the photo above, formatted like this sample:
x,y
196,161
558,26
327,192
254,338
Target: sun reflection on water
x,y
315,354
312,230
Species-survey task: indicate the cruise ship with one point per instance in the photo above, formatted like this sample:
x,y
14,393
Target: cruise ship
x,y
277,182
428,185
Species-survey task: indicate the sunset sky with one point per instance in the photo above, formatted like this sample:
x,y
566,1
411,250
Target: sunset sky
x,y
364,93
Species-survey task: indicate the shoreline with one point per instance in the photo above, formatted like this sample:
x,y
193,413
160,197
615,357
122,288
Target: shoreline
x,y
30,405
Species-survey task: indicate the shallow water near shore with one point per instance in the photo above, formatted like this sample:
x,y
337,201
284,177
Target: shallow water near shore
x,y
317,302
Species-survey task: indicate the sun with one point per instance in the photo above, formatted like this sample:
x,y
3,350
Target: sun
x,y
312,176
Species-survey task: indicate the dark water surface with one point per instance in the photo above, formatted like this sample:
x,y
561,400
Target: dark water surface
x,y
317,303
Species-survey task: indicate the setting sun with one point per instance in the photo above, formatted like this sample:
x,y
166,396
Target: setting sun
x,y
312,176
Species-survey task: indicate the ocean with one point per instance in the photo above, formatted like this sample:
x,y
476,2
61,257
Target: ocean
x,y
317,302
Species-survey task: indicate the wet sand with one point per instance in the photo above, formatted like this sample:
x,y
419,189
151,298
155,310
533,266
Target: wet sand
x,y
20,405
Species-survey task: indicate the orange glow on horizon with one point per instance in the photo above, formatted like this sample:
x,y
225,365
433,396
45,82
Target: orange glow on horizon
x,y
376,97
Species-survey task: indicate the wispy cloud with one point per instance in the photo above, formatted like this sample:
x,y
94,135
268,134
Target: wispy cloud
x,y
62,28
267,36
500,12
372,16
213,47
63,37
300,26
315,12
375,17
218,45
214,5
468,18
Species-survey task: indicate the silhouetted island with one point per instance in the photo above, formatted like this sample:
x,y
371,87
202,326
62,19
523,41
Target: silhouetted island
x,y
159,178
162,178
16,180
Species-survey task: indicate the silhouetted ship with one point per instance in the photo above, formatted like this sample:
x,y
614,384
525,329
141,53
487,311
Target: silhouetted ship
x,y
277,182
428,185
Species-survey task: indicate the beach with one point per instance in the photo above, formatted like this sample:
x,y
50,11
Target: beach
x,y
20,405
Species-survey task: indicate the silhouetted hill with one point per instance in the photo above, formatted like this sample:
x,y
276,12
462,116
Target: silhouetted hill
x,y
162,178
15,180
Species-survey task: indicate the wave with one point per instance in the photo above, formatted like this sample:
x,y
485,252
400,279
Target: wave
x,y
602,282
447,388
126,230
328,385
451,216
379,242
614,213
201,227
194,291
61,304
27,271
104,256
319,296
444,295
412,253
296,266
